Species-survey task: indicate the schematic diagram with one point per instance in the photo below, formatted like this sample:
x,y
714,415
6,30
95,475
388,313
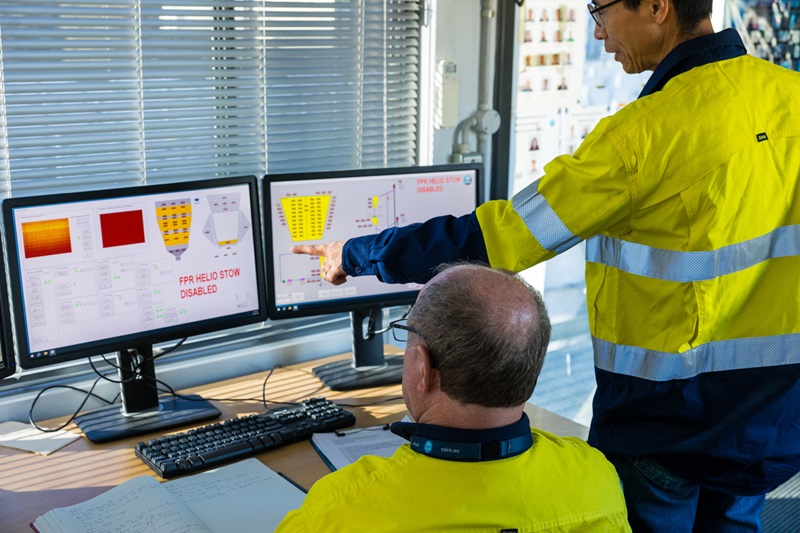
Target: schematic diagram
x,y
315,217
227,225
383,211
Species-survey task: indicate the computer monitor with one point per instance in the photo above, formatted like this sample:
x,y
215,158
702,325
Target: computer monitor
x,y
335,206
7,360
118,270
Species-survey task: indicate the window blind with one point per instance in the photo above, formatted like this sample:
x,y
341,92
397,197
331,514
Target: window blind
x,y
124,92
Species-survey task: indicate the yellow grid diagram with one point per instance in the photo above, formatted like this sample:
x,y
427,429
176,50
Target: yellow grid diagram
x,y
175,220
306,216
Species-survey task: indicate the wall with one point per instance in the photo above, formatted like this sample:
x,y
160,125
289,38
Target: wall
x,y
457,26
457,38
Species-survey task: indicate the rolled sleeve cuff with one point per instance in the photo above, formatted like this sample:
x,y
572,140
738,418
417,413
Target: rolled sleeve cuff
x,y
355,256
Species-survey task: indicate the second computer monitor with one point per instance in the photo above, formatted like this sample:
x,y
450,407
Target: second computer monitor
x,y
335,206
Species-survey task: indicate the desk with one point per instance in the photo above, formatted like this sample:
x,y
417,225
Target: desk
x,y
31,485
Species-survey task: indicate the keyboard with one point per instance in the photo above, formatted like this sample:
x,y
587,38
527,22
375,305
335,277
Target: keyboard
x,y
237,438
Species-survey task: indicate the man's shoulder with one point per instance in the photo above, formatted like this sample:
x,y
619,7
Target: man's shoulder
x,y
583,472
569,453
557,444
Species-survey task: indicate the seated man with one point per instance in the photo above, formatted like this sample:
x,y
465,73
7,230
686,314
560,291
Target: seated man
x,y
476,343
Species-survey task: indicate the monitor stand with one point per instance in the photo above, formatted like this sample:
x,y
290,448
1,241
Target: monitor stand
x,y
369,367
142,410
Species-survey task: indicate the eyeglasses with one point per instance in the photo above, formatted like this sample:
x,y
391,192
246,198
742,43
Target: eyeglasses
x,y
400,331
597,11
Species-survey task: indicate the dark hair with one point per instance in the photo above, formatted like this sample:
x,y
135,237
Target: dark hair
x,y
488,332
688,13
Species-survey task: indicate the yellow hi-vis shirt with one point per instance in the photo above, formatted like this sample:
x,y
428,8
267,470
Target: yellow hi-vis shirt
x,y
559,484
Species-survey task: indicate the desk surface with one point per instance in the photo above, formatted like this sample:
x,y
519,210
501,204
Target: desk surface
x,y
31,484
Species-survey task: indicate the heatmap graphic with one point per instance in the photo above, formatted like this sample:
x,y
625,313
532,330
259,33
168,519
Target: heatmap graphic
x,y
46,237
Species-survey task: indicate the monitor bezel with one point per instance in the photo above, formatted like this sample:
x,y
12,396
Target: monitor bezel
x,y
6,334
122,342
343,305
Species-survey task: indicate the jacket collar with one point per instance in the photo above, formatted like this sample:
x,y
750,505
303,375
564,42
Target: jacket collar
x,y
726,44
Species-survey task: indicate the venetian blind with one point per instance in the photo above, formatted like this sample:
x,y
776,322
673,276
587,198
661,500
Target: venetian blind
x,y
123,92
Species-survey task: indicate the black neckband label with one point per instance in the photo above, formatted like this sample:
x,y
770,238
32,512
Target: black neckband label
x,y
458,444
471,451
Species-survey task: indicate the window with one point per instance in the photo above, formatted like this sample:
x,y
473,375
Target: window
x,y
97,93
102,92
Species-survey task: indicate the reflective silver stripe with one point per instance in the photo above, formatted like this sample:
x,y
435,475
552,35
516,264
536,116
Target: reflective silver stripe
x,y
542,221
717,356
692,266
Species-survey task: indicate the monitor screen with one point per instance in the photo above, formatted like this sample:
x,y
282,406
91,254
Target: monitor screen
x,y
335,206
118,270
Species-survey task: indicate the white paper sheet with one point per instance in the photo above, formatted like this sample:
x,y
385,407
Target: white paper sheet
x,y
24,437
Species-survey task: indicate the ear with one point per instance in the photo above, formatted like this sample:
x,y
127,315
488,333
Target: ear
x,y
429,376
659,9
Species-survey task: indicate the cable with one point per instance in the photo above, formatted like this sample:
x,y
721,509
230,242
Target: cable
x,y
387,328
169,390
166,388
264,386
370,404
102,376
170,350
88,394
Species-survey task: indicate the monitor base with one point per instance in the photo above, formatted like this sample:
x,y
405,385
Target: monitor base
x,y
341,375
108,423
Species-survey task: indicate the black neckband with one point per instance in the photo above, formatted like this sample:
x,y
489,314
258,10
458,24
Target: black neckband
x,y
473,445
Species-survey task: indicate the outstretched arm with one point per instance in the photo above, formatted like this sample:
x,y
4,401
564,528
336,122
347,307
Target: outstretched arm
x,y
402,254
412,253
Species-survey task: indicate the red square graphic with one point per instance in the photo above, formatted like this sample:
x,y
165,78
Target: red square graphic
x,y
122,228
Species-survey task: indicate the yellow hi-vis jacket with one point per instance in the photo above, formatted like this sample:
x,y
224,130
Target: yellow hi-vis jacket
x,y
557,485
690,201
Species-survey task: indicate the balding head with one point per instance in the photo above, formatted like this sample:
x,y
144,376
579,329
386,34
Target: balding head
x,y
487,331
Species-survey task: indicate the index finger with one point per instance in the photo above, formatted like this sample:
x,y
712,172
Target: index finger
x,y
310,249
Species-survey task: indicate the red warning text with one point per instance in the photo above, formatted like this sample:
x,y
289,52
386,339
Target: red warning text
x,y
204,282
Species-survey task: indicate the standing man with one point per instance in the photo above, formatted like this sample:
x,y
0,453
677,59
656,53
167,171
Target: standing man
x,y
689,202
476,341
